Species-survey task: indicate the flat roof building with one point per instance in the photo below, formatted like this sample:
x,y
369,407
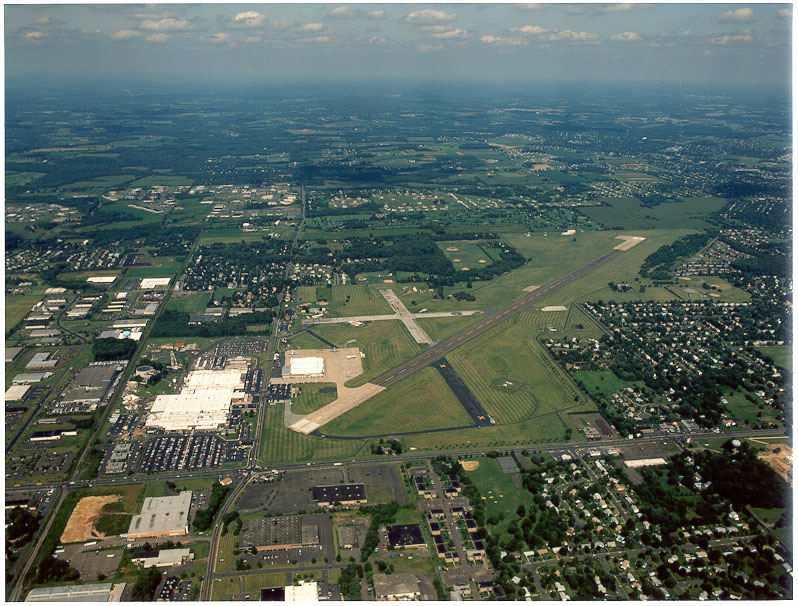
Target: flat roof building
x,y
396,587
165,558
405,535
96,592
278,533
12,352
16,392
162,517
306,367
345,494
90,384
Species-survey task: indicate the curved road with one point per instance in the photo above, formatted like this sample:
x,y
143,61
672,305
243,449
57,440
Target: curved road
x,y
431,354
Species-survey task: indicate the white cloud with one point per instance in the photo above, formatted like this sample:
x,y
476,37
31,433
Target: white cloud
x,y
318,39
252,39
166,25
429,15
784,12
343,12
313,27
531,6
249,19
377,40
626,37
220,37
42,20
428,48
377,14
452,33
158,38
500,41
35,35
731,38
126,34
625,6
573,36
530,29
740,15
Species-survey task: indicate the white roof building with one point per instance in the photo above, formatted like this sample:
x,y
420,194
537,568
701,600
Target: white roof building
x,y
306,366
306,591
153,282
162,516
16,392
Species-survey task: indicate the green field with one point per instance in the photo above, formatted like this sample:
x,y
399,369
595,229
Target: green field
x,y
310,400
421,401
386,344
440,329
781,354
501,496
281,444
510,373
163,267
18,306
190,303
601,381
304,340
745,411
628,213
353,300
466,255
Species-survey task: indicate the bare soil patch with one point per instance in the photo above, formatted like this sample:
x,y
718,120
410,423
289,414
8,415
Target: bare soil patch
x,y
80,526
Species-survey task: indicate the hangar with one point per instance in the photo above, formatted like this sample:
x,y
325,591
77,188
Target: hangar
x,y
306,367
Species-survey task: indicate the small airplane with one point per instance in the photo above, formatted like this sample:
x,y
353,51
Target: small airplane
x,y
481,417
443,365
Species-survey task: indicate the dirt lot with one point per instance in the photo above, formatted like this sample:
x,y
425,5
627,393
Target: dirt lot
x,y
470,465
781,461
80,526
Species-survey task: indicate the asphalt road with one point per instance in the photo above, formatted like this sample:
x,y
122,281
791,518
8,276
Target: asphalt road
x,y
440,350
464,395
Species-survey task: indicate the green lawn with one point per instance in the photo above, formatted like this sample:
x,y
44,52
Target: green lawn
x,y
628,213
601,381
191,303
440,329
501,496
309,399
281,444
421,401
510,373
781,354
466,254
353,300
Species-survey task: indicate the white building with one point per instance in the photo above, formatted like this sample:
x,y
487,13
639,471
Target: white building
x,y
162,517
306,367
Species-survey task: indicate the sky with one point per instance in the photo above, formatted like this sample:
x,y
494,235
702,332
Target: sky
x,y
647,43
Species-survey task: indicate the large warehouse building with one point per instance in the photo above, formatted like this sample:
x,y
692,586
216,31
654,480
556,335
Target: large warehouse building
x,y
203,404
305,367
162,517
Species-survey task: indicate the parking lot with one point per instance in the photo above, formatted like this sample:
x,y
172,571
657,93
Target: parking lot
x,y
200,451
241,347
93,562
253,383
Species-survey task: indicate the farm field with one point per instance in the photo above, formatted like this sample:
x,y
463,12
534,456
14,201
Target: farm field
x,y
281,444
386,343
353,300
421,401
509,372
312,397
629,213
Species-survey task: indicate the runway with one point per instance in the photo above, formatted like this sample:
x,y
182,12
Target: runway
x,y
439,350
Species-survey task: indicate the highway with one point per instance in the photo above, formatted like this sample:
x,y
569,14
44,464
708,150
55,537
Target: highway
x,y
431,354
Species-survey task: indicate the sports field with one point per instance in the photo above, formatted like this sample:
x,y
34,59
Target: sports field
x,y
421,401
465,254
386,344
509,372
352,300
501,496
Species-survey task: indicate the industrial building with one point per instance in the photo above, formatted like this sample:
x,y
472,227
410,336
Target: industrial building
x,y
203,404
12,352
343,494
90,385
30,377
165,558
396,587
162,517
97,592
405,535
39,360
305,367
16,392
278,533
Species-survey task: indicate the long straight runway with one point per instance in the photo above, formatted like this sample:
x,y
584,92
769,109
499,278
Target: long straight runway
x,y
439,350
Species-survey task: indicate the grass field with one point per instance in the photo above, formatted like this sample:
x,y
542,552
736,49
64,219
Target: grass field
x,y
310,400
744,410
306,341
465,254
386,343
281,444
781,354
623,268
164,267
628,213
224,554
353,300
601,381
18,306
440,329
421,401
189,303
501,496
510,374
